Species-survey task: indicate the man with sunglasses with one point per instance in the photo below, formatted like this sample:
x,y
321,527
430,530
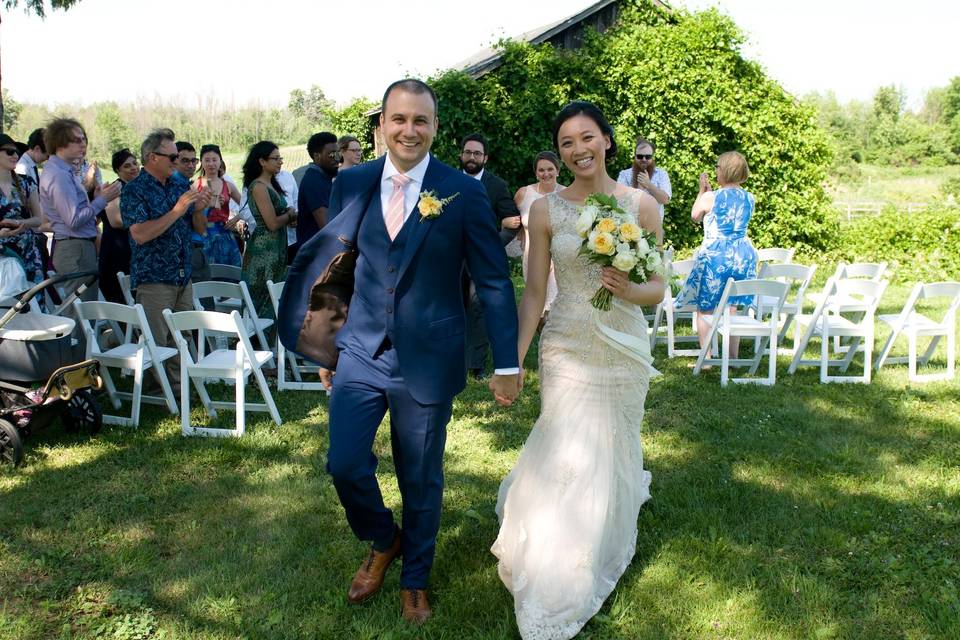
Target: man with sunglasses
x,y
154,207
646,175
71,213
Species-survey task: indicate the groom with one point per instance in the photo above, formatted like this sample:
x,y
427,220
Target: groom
x,y
401,227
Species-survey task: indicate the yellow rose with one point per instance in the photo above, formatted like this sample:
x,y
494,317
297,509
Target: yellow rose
x,y
629,232
602,243
607,225
429,206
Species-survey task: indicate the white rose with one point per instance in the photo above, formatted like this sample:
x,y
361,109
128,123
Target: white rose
x,y
624,260
585,222
642,247
623,247
654,263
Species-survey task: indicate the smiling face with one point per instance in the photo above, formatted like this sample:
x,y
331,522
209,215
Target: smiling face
x,y
582,146
546,172
186,162
409,123
129,170
210,163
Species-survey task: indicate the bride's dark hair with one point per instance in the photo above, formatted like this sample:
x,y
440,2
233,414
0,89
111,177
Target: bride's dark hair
x,y
590,110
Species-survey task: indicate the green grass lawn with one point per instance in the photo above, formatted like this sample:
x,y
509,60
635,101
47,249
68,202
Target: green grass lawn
x,y
798,511
893,185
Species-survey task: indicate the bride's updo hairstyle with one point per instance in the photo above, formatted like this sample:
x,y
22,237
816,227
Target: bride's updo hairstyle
x,y
590,110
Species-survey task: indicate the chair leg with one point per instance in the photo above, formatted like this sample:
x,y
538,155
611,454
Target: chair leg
x,y
267,396
137,391
867,354
185,427
111,387
725,359
241,412
669,319
852,350
772,370
951,355
925,358
912,355
887,347
161,374
825,354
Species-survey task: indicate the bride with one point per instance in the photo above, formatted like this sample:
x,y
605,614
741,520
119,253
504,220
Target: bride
x,y
568,509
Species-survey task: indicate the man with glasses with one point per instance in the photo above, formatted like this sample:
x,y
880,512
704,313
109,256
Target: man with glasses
x,y
71,213
186,167
646,175
154,207
186,163
473,161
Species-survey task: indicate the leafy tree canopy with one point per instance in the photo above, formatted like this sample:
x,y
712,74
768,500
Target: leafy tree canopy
x,y
39,7
677,79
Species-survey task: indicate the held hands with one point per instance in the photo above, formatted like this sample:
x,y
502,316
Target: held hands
x,y
615,281
506,388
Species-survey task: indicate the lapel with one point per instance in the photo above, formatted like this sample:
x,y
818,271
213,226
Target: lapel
x,y
431,181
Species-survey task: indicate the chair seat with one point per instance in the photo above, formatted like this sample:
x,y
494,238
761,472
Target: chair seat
x,y
765,302
743,325
914,322
226,305
837,325
129,350
225,362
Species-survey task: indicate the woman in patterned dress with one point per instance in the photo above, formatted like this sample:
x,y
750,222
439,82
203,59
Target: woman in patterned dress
x,y
19,213
265,256
726,251
219,243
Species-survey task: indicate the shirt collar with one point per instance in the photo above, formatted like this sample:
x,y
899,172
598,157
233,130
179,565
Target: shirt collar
x,y
416,174
476,177
60,163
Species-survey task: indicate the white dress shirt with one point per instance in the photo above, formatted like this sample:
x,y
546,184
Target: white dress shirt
x,y
27,167
291,192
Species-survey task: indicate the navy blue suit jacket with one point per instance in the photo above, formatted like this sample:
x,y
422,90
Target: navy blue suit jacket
x,y
429,319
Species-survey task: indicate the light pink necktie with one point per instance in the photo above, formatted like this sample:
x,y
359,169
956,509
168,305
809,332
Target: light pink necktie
x,y
394,215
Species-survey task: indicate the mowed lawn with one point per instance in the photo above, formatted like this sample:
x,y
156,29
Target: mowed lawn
x,y
798,511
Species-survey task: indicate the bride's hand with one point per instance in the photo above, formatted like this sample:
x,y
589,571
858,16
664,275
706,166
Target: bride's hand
x,y
615,281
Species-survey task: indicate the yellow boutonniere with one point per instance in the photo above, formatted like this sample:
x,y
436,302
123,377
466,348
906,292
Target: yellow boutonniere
x,y
431,206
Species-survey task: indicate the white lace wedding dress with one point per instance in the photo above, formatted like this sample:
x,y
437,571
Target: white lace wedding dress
x,y
568,509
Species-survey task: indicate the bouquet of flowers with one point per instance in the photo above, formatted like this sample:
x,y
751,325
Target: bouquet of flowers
x,y
612,238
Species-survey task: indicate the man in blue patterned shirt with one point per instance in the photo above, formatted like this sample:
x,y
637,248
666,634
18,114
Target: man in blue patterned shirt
x,y
154,207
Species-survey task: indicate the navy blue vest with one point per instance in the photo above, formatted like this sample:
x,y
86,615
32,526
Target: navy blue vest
x,y
378,266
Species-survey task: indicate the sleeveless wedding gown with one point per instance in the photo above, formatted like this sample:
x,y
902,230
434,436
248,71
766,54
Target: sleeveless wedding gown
x,y
568,509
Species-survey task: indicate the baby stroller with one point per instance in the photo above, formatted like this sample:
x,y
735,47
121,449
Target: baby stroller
x,y
38,347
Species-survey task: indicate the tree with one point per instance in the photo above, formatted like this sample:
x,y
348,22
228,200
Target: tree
x,y
36,7
312,105
676,78
352,120
11,111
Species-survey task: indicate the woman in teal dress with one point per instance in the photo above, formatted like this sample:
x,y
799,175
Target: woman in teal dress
x,y
265,257
726,251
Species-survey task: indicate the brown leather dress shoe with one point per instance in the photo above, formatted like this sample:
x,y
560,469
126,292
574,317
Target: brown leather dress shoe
x,y
416,607
369,578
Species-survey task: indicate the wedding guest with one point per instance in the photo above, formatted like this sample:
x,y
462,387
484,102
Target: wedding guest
x,y
474,154
35,155
351,153
265,257
186,162
316,185
292,192
646,175
115,238
546,167
19,213
161,211
72,215
726,251
219,244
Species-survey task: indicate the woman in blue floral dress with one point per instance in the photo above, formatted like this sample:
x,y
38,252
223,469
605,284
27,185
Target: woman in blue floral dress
x,y
726,251
19,213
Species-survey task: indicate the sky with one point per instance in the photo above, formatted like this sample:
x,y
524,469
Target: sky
x,y
238,52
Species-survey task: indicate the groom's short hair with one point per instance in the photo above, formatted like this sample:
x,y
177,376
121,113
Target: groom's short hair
x,y
410,85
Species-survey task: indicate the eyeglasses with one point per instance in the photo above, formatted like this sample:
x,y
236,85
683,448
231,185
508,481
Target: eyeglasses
x,y
188,160
644,156
172,157
78,139
472,154
10,152
357,150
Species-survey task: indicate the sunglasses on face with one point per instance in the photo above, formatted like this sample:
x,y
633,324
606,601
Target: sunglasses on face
x,y
172,157
10,152
644,156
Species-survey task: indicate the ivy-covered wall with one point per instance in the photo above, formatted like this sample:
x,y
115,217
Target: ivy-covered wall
x,y
679,80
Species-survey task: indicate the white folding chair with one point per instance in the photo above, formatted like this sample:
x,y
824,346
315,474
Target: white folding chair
x,y
915,325
873,271
136,356
777,255
797,278
667,314
284,357
222,294
730,325
124,281
826,325
225,272
231,364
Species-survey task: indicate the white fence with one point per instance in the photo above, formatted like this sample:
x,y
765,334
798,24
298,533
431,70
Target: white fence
x,y
857,209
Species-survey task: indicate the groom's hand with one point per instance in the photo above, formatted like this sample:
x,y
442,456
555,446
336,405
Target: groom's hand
x,y
326,378
505,389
